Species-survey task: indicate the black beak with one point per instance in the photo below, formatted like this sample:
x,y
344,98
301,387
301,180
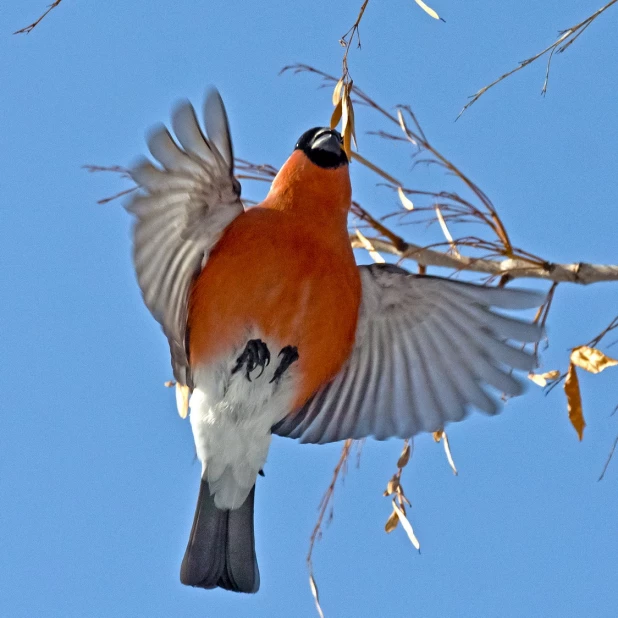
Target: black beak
x,y
328,140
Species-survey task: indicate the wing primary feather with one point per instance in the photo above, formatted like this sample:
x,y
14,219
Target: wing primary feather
x,y
406,418
366,415
426,404
189,134
310,428
486,343
445,389
503,327
336,408
485,339
464,375
435,417
357,395
504,298
385,425
217,127
167,152
478,361
157,181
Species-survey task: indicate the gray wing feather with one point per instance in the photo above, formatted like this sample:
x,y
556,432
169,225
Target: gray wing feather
x,y
426,349
181,210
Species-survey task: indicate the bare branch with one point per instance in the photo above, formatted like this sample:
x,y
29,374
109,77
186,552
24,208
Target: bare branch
x,y
579,272
609,458
564,41
340,468
34,24
347,39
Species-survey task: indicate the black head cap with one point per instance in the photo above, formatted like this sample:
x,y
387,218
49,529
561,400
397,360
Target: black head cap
x,y
323,146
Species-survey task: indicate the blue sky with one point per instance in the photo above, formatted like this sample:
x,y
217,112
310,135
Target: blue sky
x,y
97,474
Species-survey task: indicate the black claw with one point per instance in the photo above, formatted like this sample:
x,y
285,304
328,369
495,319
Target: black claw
x,y
290,355
255,354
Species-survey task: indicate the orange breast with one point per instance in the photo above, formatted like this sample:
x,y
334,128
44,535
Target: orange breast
x,y
296,282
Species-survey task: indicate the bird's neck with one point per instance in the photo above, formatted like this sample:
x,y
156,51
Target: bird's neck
x,y
307,190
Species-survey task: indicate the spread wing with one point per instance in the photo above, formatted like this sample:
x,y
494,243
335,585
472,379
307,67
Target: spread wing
x,y
425,349
181,210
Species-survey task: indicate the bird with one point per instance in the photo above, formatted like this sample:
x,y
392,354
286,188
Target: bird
x,y
274,329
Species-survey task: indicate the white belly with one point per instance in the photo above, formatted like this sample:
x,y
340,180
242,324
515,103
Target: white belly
x,y
231,419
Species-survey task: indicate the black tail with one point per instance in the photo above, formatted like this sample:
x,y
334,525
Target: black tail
x,y
221,549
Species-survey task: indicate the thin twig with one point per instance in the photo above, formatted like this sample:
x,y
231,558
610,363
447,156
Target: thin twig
x,y
609,458
324,506
34,24
347,39
563,42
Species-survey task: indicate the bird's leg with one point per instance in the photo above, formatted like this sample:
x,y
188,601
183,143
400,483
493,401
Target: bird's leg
x,y
290,355
254,355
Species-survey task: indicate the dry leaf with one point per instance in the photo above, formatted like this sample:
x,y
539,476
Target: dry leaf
x,y
391,522
316,596
440,436
182,400
428,10
348,130
345,128
574,401
336,117
404,458
369,247
543,378
337,92
392,486
591,359
447,450
446,232
405,200
407,526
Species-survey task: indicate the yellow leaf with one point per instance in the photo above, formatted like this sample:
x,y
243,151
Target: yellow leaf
x,y
428,9
391,522
337,92
446,232
182,399
447,450
574,401
407,526
405,200
348,129
392,486
543,378
369,247
316,594
591,359
402,122
336,117
404,458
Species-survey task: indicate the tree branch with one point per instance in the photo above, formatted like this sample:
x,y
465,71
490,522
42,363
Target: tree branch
x,y
34,24
579,272
564,41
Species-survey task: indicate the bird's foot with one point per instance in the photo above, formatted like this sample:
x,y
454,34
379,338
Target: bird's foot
x,y
289,355
255,354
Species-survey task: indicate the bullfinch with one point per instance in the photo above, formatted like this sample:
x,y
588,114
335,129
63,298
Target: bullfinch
x,y
274,329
